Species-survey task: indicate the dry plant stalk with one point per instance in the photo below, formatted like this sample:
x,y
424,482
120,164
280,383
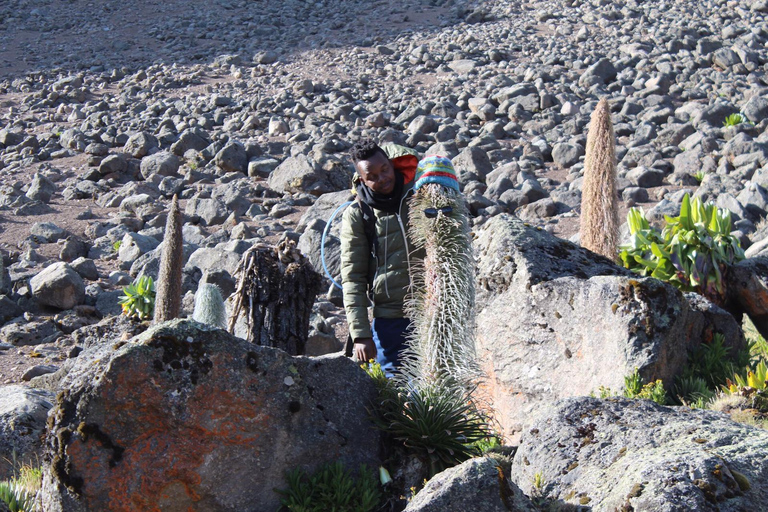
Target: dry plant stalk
x,y
276,289
168,301
599,229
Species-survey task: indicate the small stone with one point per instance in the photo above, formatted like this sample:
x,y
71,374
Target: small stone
x,y
47,231
266,57
37,371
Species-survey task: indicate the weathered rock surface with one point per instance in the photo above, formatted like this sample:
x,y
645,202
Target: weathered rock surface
x,y
747,287
58,285
621,454
555,320
186,417
477,484
22,332
23,412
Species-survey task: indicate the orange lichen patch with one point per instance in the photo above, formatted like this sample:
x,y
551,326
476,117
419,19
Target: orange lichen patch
x,y
170,433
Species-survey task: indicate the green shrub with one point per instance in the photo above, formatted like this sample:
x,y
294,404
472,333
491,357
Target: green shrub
x,y
758,349
634,388
487,444
713,362
331,488
693,392
138,299
116,245
752,385
17,499
689,253
756,379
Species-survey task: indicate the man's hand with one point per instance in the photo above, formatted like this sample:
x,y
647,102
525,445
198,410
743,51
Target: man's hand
x,y
364,350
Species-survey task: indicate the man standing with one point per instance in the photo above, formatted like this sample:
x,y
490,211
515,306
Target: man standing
x,y
375,251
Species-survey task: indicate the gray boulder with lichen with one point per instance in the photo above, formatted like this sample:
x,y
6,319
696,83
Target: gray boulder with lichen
x,y
185,417
556,320
477,484
622,454
23,412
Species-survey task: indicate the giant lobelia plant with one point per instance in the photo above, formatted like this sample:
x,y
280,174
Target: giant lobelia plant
x,y
442,305
691,252
428,406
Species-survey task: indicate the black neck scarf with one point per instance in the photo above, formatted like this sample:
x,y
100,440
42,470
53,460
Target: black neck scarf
x,y
389,203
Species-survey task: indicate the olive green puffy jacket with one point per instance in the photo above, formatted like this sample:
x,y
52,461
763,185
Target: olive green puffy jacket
x,y
391,278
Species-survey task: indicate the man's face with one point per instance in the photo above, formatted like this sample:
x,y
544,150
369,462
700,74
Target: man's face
x,y
377,173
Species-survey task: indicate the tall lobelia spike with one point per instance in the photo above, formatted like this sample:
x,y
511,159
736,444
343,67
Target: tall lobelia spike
x,y
442,303
168,300
599,229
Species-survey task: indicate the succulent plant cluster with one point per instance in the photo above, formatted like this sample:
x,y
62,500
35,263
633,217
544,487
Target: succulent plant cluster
x,y
138,299
691,252
331,487
753,385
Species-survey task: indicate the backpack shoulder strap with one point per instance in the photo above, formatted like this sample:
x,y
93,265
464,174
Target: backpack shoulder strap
x,y
369,226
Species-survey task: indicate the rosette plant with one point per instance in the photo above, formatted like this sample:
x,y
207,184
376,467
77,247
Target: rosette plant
x,y
138,299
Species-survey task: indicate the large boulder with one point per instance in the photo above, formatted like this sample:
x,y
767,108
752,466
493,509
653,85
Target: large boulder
x,y
41,188
555,320
22,332
134,245
23,412
323,208
186,417
747,288
601,72
232,158
58,285
163,163
194,138
622,454
210,212
311,245
478,484
140,144
238,195
298,174
472,164
207,259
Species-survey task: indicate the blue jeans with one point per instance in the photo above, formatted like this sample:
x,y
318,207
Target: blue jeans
x,y
389,335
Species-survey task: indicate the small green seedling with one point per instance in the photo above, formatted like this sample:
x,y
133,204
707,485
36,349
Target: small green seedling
x,y
138,299
735,119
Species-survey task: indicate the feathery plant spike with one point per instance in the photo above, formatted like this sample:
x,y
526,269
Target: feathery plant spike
x,y
429,406
168,301
599,230
209,306
441,306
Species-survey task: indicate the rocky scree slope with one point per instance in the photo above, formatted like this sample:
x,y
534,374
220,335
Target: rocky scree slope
x,y
249,124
